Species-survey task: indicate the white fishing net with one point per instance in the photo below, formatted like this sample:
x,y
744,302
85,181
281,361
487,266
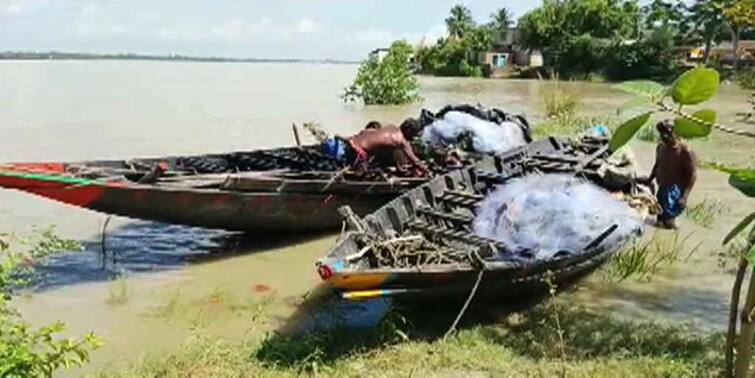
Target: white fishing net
x,y
487,137
550,213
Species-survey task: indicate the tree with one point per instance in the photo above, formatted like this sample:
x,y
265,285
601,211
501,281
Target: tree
x,y
668,14
740,14
580,37
389,81
459,22
500,22
708,22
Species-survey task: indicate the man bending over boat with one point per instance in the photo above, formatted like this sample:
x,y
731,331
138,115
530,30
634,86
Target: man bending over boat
x,y
384,143
371,142
675,172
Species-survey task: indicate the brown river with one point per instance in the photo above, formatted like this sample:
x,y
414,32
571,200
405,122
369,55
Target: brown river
x,y
180,281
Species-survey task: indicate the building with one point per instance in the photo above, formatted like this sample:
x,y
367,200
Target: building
x,y
507,54
724,52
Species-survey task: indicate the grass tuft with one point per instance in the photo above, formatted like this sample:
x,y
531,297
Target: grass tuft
x,y
705,212
119,292
643,259
557,99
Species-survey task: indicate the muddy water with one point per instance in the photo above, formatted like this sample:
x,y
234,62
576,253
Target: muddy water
x,y
182,280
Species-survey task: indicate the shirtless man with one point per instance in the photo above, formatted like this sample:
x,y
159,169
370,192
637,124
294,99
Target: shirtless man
x,y
675,172
389,137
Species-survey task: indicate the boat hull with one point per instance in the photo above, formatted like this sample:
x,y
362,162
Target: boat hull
x,y
234,211
442,211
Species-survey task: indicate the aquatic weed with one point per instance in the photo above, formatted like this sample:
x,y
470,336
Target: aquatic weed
x,y
118,293
169,308
557,99
705,212
642,259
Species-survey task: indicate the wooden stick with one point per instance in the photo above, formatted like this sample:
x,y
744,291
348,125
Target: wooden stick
x,y
296,135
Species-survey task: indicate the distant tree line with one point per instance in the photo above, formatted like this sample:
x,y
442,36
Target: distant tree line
x,y
57,55
621,40
618,39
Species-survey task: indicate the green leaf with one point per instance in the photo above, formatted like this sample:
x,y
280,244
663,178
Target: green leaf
x,y
738,228
688,129
695,86
744,181
641,87
626,131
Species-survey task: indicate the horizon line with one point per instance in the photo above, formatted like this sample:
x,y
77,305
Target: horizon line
x,y
73,55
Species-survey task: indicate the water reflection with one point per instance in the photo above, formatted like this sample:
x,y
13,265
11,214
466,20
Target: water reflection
x,y
147,247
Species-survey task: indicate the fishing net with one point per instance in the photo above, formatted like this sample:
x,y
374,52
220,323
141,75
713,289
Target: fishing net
x,y
484,136
548,214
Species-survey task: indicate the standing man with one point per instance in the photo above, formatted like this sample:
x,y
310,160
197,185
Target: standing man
x,y
675,173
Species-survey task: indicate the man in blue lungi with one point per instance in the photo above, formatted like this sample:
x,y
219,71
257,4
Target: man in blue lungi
x,y
675,172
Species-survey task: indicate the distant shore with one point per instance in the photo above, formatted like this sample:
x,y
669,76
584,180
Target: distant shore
x,y
56,55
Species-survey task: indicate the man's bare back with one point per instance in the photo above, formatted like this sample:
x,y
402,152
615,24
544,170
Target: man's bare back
x,y
675,164
388,137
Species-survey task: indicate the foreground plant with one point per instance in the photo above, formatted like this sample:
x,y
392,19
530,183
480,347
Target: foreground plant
x,y
692,88
24,350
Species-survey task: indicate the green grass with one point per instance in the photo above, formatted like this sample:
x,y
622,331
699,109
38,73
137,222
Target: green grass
x,y
644,258
119,293
746,78
705,212
648,134
519,344
570,125
558,100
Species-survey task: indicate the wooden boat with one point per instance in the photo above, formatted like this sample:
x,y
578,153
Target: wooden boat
x,y
295,188
438,216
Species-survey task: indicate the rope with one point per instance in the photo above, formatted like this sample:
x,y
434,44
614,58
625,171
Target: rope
x,y
466,304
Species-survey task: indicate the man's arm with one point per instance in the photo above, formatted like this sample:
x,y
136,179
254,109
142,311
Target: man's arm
x,y
407,148
654,171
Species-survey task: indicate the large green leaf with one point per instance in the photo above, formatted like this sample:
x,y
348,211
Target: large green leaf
x,y
626,131
738,228
641,87
743,180
695,86
687,128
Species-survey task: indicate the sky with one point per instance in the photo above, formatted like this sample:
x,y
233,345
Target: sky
x,y
302,29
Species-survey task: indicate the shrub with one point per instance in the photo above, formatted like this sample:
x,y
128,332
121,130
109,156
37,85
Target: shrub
x,y
25,351
386,82
746,78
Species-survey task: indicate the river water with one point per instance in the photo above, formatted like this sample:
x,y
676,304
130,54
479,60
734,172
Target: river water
x,y
182,279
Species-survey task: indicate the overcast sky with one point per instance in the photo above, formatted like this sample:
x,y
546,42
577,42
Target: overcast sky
x,y
340,29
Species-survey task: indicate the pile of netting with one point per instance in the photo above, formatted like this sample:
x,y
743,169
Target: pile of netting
x,y
477,128
548,214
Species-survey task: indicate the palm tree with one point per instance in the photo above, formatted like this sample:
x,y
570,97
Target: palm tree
x,y
500,21
460,21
